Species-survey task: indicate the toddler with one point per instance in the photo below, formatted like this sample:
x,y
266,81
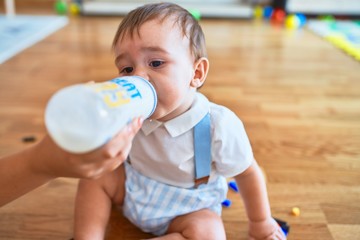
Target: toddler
x,y
174,180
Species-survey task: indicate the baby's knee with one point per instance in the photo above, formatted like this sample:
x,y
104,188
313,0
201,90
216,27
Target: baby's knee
x,y
208,226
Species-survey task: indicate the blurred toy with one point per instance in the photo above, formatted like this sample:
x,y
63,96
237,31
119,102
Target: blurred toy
x,y
258,12
302,19
267,12
284,226
195,13
74,8
327,18
292,21
61,7
278,16
295,21
295,211
233,186
226,203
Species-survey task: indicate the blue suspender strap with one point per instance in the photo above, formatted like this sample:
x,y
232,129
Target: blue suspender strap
x,y
202,150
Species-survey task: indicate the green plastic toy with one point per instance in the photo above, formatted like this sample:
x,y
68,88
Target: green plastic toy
x,y
61,7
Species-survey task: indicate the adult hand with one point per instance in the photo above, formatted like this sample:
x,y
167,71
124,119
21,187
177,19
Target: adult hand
x,y
56,162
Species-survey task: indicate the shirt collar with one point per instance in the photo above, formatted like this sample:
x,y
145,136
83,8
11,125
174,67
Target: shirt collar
x,y
183,122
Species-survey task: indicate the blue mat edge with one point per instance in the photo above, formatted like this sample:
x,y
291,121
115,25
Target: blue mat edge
x,y
52,26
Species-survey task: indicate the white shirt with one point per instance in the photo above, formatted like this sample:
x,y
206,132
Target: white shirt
x,y
164,151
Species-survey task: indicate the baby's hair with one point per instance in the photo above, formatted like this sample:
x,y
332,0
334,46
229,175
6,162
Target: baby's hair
x,y
162,11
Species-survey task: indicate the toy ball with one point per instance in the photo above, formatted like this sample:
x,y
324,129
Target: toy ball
x,y
258,12
278,16
60,7
292,22
196,14
74,9
267,12
302,19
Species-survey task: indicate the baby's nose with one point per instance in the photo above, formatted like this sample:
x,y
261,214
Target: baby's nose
x,y
141,73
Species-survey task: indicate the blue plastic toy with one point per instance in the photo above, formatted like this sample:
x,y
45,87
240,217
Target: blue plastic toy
x,y
302,19
226,203
233,186
284,226
267,12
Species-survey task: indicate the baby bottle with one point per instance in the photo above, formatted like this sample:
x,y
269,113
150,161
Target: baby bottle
x,y
83,117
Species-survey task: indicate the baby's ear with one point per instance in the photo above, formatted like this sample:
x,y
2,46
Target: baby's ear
x,y
201,68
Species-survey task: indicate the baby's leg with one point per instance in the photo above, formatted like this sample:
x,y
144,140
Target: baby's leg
x,y
93,204
199,225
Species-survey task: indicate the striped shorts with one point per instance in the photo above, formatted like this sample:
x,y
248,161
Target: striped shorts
x,y
151,205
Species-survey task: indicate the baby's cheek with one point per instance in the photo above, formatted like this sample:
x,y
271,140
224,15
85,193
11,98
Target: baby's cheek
x,y
159,111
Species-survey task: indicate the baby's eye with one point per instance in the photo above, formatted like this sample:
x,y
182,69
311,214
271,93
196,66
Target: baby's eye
x,y
156,63
127,70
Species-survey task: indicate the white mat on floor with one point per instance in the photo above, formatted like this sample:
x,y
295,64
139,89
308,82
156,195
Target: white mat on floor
x,y
22,31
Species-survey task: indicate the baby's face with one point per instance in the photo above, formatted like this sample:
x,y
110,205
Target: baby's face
x,y
160,54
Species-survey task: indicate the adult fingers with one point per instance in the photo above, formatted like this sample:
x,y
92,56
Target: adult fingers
x,y
123,138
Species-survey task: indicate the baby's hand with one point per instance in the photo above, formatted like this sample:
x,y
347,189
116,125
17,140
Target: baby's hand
x,y
266,230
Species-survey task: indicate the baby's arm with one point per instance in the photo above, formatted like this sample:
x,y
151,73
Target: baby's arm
x,y
93,205
254,194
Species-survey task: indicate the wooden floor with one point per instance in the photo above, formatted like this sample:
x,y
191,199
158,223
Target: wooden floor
x,y
298,96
